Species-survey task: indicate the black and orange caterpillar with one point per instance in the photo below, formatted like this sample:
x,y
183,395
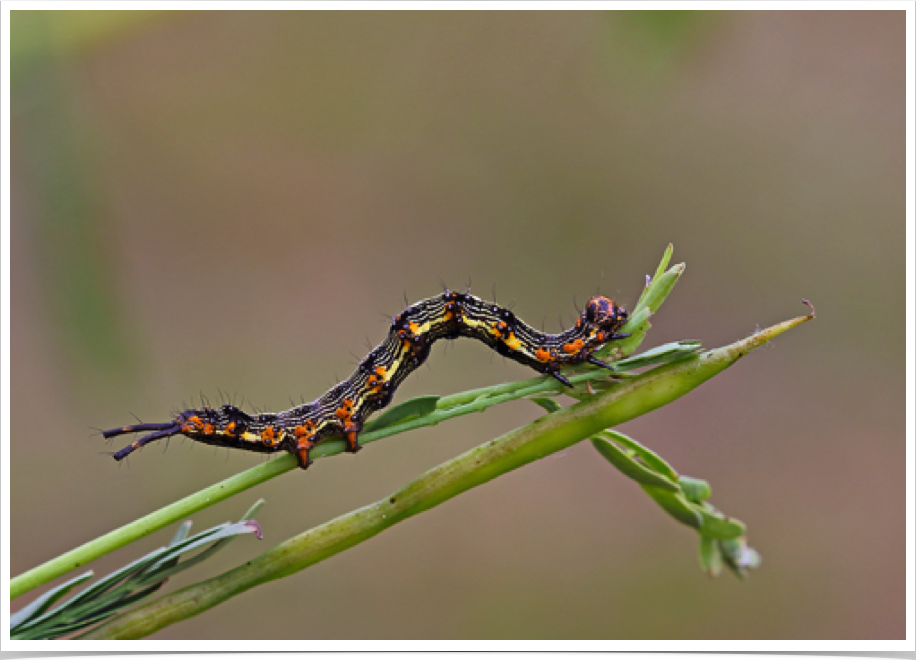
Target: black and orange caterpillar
x,y
345,407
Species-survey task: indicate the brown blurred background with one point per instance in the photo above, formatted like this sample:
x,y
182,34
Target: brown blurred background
x,y
230,201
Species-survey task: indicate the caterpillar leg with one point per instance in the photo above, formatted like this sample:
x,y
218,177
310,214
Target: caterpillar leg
x,y
163,430
351,426
351,435
560,377
593,360
303,446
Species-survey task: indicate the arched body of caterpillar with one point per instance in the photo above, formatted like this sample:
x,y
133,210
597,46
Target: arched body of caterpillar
x,y
346,406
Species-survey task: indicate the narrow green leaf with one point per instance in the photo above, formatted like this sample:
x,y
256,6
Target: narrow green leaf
x,y
652,298
710,556
653,460
660,288
41,604
411,409
253,510
662,267
103,610
181,534
632,469
676,505
547,404
105,584
718,526
664,354
663,264
149,575
222,539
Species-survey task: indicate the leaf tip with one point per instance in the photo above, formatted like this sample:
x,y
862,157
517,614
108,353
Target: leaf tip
x,y
255,527
813,314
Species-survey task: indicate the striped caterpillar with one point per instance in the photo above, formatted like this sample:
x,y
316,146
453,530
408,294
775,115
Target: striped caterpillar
x,y
346,406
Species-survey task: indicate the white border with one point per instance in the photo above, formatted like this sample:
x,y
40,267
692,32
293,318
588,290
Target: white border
x,y
564,645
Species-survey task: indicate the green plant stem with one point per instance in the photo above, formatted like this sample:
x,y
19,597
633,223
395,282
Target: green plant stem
x,y
544,436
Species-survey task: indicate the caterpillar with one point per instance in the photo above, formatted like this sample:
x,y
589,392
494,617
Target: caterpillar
x,y
343,409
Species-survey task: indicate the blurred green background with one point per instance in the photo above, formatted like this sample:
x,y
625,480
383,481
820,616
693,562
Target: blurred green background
x,y
229,201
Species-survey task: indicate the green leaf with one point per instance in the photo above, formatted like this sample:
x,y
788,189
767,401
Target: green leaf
x,y
710,556
181,534
660,288
253,510
650,300
695,490
547,404
676,505
43,602
631,468
411,409
718,526
663,264
653,460
662,267
222,538
664,354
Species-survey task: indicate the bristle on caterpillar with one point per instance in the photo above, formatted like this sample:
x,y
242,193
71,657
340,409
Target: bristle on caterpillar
x,y
345,407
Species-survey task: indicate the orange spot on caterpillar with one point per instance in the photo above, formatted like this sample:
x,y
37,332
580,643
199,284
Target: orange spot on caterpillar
x,y
269,436
304,430
209,429
345,411
574,347
230,428
542,355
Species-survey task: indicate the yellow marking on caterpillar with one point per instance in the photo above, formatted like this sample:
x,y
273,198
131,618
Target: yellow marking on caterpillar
x,y
513,342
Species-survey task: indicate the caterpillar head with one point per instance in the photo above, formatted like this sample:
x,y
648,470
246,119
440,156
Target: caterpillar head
x,y
603,313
